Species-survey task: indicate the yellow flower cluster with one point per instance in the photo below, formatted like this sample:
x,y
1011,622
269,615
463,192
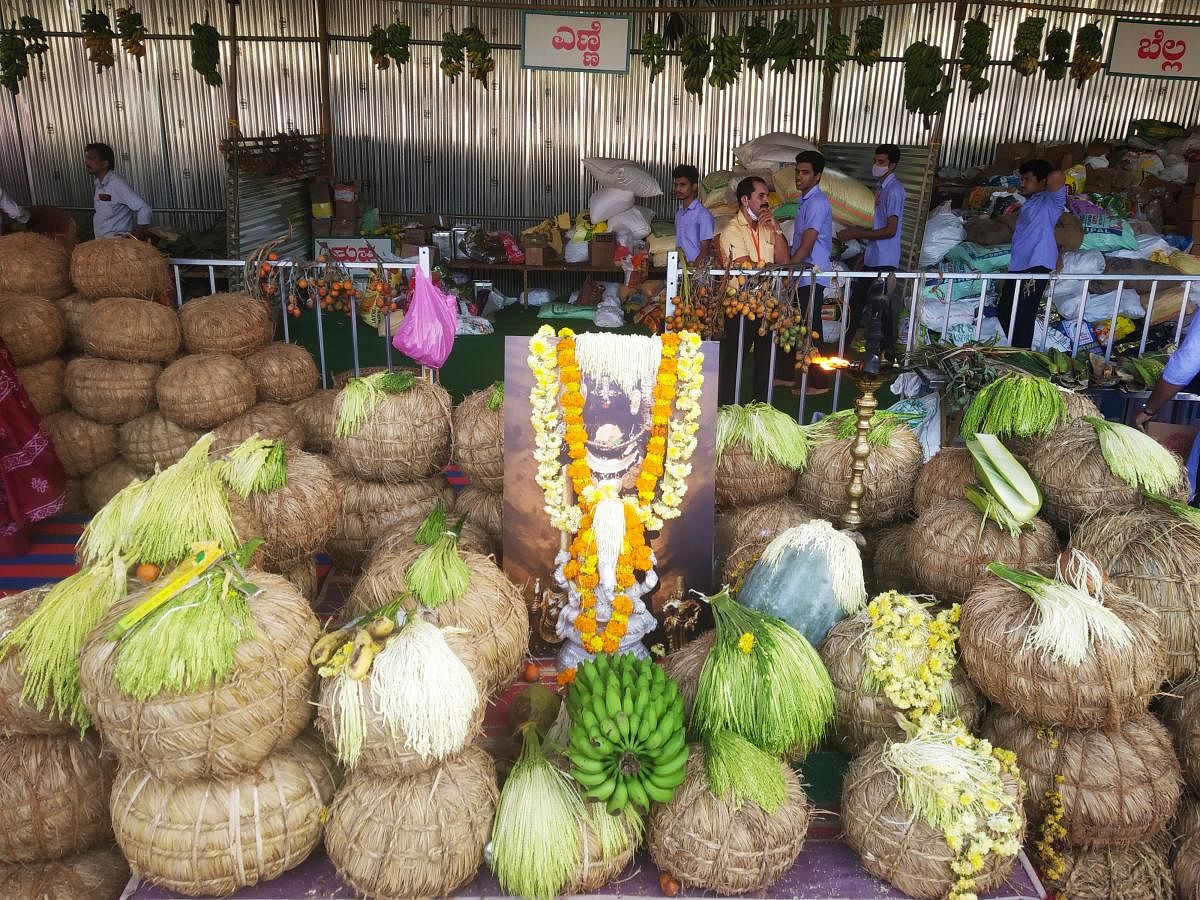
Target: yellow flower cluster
x,y
681,435
910,654
1051,835
548,431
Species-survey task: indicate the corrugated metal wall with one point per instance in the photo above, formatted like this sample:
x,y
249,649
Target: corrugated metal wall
x,y
424,145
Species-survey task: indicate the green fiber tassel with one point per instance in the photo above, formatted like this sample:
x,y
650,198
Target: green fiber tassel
x,y
362,396
255,465
440,574
432,527
496,400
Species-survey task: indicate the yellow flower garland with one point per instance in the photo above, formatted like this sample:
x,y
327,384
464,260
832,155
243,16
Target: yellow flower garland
x,y
910,654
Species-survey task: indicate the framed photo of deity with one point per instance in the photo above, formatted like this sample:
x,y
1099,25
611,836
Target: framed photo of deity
x,y
609,461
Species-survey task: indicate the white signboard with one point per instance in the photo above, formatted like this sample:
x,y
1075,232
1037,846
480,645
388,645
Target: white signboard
x,y
355,249
1155,50
573,42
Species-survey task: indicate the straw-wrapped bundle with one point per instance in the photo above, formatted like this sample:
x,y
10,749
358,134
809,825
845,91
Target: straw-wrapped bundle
x,y
235,324
686,664
1187,850
100,873
888,479
209,838
283,373
317,414
205,390
742,480
1109,685
750,528
406,437
950,544
1135,872
600,868
81,444
1118,787
371,509
710,845
32,263
302,573
76,503
31,327
55,793
151,440
943,477
414,837
74,307
120,267
891,565
1078,407
298,517
103,484
484,509
16,716
1181,713
343,378
471,539
130,330
109,391
270,421
1155,556
479,439
261,705
43,382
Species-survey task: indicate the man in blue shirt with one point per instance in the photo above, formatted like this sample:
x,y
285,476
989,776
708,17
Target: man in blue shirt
x,y
693,221
883,237
1033,248
812,241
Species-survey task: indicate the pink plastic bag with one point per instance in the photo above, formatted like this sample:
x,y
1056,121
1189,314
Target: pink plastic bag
x,y
427,333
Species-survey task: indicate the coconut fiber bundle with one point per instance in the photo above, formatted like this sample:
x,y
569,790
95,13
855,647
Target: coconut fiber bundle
x,y
741,480
81,444
603,862
205,390
750,528
100,873
943,477
31,327
1155,556
888,479
16,716
109,391
55,792
260,706
209,838
484,510
298,517
1118,787
76,503
317,413
1111,683
1187,849
1181,712
270,421
891,565
120,267
43,382
73,308
479,438
130,330
235,324
283,373
1135,872
711,844
35,264
1078,407
405,436
102,485
414,837
302,573
151,440
371,509
950,544
686,664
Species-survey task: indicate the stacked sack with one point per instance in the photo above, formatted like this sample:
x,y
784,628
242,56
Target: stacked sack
x,y
478,450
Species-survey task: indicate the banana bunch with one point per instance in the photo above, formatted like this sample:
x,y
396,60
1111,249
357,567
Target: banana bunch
x,y
98,38
454,45
696,56
1058,54
14,61
1139,373
479,54
351,649
756,41
132,32
206,52
868,41
1027,45
782,45
1089,45
922,80
726,60
1069,371
388,44
628,743
837,51
35,37
654,54
976,56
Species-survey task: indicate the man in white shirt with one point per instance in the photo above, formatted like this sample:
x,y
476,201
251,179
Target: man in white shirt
x,y
118,209
13,209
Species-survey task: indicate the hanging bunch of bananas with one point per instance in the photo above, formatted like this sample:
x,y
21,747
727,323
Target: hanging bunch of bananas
x,y
923,92
868,41
1089,45
628,743
837,51
654,54
206,52
756,41
726,60
35,38
1027,45
976,55
389,45
1058,54
454,45
98,37
479,54
14,60
132,32
781,48
696,56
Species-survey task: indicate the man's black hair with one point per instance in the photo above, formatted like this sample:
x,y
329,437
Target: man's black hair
x,y
1039,168
691,173
103,151
813,158
891,151
746,186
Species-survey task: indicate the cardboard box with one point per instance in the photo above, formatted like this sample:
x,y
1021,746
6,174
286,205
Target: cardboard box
x,y
347,209
322,227
1008,157
344,227
416,236
320,195
535,251
1063,156
601,249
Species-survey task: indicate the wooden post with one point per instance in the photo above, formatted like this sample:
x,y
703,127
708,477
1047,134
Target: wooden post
x,y
233,238
835,22
323,76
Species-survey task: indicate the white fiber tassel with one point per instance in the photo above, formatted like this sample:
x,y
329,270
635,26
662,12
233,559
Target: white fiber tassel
x,y
608,522
839,548
348,718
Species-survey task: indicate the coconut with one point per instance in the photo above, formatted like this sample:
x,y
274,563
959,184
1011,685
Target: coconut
x,y
43,382
1155,556
317,414
750,528
298,517
406,437
1136,872
100,873
1118,787
371,509
109,391
899,847
55,792
235,324
1108,687
209,838
16,716
120,267
950,544
130,330
283,373
479,441
888,479
74,307
261,705
943,477
742,480
421,836
105,482
35,264
1182,716
81,444
31,327
710,845
151,441
205,390
686,664
268,420
1187,850
891,565
483,509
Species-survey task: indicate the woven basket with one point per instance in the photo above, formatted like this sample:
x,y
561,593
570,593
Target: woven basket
x,y
686,664
31,327
865,714
479,441
1136,872
492,610
898,847
130,330
317,414
943,477
81,444
100,873
484,510
236,324
283,373
414,837
750,528
261,705
891,566
950,545
1181,714
407,437
888,480
16,716
43,382
268,420
55,792
1118,787
741,480
209,838
108,391
74,307
710,846
151,441
297,518
103,484
35,264
1101,692
371,509
1155,556
1187,850
120,267
205,390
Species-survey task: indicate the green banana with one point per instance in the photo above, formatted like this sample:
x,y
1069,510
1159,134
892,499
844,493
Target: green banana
x,y
604,790
620,797
637,793
589,779
612,700
657,793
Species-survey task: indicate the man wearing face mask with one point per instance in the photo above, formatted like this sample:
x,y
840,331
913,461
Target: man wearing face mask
x,y
812,241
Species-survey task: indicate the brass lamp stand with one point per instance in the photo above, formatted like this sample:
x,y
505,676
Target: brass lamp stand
x,y
864,411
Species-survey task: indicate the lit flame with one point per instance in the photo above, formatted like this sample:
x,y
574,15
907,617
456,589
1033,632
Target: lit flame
x,y
830,363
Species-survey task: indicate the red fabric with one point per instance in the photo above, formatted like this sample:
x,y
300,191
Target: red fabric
x,y
33,485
